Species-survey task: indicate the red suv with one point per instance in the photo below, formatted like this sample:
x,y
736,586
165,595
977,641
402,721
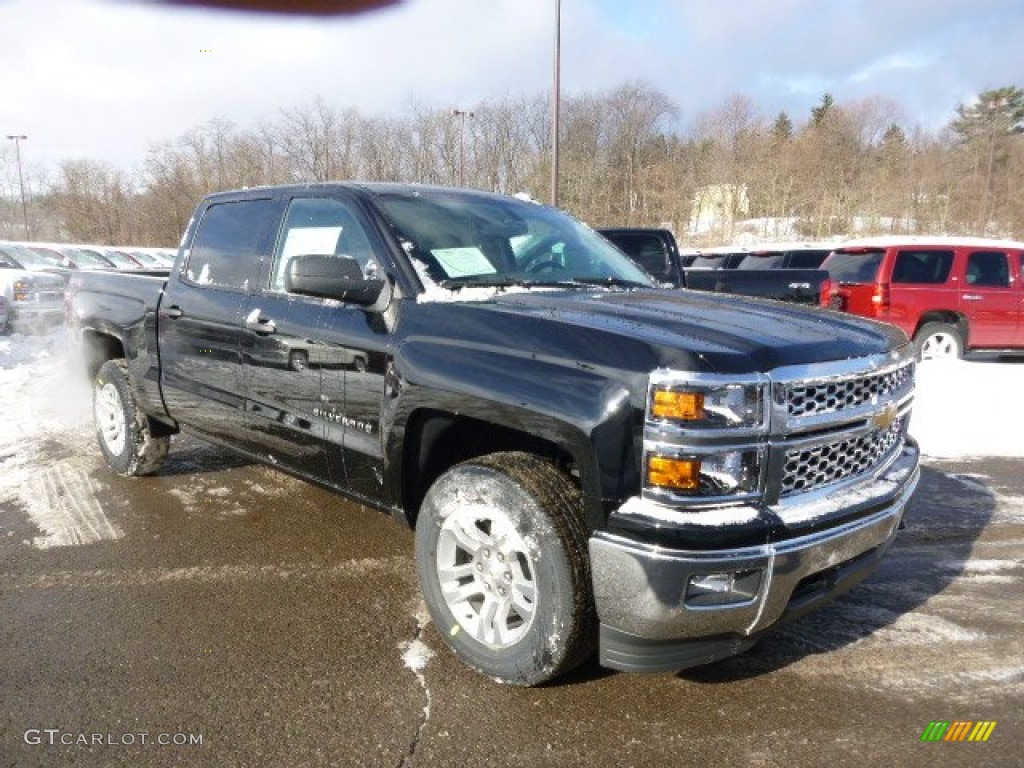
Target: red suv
x,y
949,294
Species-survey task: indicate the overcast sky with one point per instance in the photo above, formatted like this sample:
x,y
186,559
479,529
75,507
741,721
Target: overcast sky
x,y
105,80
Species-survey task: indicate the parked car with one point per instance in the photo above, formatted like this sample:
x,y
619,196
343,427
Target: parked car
x,y
785,256
724,257
77,258
657,251
4,324
28,259
51,255
149,259
950,294
589,461
117,259
33,299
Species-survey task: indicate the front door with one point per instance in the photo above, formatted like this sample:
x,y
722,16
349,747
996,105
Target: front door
x,y
303,355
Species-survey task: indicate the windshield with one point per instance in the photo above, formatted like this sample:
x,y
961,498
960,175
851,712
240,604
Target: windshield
x,y
846,267
85,258
30,258
458,239
148,259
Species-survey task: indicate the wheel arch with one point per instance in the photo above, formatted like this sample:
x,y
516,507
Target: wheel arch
x,y
436,440
97,348
947,317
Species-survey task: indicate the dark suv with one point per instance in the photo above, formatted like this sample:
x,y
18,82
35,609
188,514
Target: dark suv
x,y
949,294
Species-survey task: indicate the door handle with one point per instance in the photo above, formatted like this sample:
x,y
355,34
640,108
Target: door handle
x,y
173,312
260,323
971,297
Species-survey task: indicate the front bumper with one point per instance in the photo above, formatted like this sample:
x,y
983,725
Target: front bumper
x,y
655,617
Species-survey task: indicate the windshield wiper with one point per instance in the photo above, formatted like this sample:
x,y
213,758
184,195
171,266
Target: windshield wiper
x,y
487,281
612,282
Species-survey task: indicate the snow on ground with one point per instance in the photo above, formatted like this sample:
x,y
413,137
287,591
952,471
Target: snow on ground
x,y
969,409
45,401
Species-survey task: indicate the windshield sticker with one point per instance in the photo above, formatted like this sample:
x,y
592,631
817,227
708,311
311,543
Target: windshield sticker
x,y
461,262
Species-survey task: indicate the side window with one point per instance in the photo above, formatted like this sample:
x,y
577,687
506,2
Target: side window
x,y
225,250
922,266
988,268
320,226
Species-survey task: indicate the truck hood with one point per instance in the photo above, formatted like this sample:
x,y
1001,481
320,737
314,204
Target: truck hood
x,y
696,330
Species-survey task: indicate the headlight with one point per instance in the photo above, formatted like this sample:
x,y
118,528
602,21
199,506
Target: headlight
x,y
716,474
697,406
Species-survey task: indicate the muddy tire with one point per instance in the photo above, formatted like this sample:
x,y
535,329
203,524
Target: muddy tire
x,y
501,553
938,341
122,429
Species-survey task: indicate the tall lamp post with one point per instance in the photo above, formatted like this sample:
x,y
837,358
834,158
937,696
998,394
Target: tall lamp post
x,y
462,114
21,180
556,103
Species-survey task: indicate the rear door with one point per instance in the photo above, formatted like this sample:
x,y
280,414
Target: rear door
x,y
989,299
201,316
921,281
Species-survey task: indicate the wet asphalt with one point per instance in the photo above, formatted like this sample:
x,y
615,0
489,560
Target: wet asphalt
x,y
279,625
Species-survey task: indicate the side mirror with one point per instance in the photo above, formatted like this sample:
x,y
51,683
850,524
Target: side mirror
x,y
331,277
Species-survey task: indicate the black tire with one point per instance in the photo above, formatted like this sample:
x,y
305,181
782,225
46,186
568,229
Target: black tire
x,y
939,341
547,550
122,429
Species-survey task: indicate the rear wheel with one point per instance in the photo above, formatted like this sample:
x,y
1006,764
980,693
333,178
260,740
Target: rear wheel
x,y
122,428
502,561
938,341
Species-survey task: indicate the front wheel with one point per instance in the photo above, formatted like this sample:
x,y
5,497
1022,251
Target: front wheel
x,y
122,428
938,341
501,553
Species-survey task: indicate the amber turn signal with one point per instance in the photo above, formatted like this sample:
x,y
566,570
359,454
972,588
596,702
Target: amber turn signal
x,y
677,474
682,406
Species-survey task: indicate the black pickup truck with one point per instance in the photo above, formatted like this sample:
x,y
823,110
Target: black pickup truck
x,y
588,461
782,274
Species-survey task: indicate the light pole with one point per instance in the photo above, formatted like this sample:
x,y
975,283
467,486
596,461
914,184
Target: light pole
x,y
556,103
462,114
21,181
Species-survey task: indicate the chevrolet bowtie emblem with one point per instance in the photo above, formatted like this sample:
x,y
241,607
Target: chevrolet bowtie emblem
x,y
885,417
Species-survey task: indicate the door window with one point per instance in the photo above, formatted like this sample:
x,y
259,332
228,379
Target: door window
x,y
225,251
929,267
988,268
321,226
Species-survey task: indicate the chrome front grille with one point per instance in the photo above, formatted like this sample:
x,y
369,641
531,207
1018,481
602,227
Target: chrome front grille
x,y
836,395
806,469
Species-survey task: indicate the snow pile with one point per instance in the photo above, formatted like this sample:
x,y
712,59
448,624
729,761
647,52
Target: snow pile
x,y
969,409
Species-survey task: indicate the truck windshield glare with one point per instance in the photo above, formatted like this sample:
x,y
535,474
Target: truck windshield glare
x,y
501,241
